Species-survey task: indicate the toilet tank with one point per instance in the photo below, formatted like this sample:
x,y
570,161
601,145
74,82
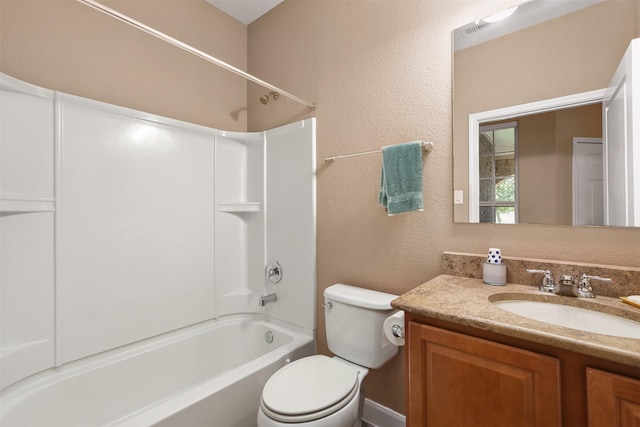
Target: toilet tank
x,y
353,322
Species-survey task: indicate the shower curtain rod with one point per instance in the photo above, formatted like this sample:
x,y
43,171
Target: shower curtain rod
x,y
139,25
426,146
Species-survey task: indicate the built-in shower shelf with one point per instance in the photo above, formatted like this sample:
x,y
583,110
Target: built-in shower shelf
x,y
239,207
23,206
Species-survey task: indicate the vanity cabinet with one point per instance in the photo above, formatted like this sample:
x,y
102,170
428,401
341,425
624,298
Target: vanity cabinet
x,y
458,380
463,376
612,400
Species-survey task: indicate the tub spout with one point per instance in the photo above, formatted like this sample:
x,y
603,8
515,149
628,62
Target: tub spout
x,y
267,299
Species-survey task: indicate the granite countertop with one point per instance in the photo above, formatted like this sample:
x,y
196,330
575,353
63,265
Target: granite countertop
x,y
467,302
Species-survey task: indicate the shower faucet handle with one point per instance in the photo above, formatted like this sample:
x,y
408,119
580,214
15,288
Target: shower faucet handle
x,y
272,272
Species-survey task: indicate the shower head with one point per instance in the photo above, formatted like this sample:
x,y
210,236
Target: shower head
x,y
265,98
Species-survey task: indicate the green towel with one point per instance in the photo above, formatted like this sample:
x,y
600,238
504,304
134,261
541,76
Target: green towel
x,y
401,180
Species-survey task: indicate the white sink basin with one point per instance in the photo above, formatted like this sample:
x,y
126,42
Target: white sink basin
x,y
573,317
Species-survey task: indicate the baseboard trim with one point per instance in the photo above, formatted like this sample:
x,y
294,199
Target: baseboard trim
x,y
380,416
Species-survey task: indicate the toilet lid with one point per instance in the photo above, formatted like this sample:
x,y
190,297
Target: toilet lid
x,y
308,386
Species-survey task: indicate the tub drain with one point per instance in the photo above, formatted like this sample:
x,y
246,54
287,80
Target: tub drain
x,y
268,337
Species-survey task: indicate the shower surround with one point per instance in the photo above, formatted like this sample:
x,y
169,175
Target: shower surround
x,y
119,227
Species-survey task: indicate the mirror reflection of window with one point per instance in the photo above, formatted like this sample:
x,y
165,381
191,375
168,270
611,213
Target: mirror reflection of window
x,y
498,173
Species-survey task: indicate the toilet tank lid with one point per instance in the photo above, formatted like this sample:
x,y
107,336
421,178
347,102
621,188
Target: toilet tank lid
x,y
359,297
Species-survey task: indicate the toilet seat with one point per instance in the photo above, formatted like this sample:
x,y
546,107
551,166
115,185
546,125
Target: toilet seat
x,y
309,389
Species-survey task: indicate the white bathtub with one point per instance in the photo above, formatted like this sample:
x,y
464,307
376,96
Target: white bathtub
x,y
207,375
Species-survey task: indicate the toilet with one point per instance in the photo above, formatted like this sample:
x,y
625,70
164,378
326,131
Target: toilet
x,y
322,391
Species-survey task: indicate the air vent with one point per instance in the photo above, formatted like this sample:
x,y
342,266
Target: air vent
x,y
475,28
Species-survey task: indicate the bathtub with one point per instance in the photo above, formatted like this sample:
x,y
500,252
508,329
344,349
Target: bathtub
x,y
211,374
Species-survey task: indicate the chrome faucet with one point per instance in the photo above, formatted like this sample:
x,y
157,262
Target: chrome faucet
x,y
582,288
548,284
567,285
272,274
267,299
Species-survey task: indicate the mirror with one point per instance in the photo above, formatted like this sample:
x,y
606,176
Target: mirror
x,y
544,68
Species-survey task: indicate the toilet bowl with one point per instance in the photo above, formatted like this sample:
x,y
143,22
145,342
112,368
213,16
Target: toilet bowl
x,y
315,391
322,391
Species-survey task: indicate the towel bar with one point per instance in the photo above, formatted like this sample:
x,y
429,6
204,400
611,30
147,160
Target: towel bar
x,y
426,145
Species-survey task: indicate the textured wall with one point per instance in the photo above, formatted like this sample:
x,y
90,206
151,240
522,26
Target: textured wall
x,y
380,72
636,5
66,46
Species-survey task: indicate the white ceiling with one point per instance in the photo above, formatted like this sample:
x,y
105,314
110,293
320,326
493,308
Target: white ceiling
x,y
245,11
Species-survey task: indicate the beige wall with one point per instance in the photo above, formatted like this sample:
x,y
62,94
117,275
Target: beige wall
x,y
66,46
380,72
575,53
637,17
537,171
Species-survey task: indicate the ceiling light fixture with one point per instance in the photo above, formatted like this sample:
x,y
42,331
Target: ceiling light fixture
x,y
500,16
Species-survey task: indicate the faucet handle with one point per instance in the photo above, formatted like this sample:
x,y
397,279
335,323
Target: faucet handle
x,y
272,273
584,287
548,284
586,277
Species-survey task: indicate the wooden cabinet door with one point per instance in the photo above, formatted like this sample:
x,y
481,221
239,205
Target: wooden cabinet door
x,y
458,380
612,400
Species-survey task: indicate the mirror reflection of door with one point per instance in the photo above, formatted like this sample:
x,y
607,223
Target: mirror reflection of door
x,y
588,199
498,173
622,142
